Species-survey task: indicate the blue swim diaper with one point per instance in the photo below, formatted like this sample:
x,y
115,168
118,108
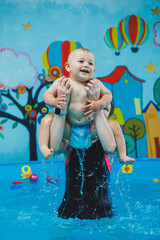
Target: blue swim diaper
x,y
80,136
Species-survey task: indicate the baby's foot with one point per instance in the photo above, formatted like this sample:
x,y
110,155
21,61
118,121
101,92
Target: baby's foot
x,y
126,159
47,152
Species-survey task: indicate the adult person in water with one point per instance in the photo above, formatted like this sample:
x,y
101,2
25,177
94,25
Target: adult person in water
x,y
80,127
87,193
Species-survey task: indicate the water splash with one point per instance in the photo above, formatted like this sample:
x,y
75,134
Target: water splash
x,y
121,189
81,154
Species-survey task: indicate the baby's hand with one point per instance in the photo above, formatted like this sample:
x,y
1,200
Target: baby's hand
x,y
91,108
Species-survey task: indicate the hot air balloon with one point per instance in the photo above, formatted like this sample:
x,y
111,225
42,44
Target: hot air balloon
x,y
56,55
134,30
114,40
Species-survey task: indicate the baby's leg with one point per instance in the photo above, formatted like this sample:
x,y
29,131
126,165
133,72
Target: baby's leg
x,y
93,131
100,129
59,129
64,147
67,130
121,146
44,136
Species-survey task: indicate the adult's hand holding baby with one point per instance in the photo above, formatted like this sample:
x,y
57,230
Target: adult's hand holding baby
x,y
64,90
93,92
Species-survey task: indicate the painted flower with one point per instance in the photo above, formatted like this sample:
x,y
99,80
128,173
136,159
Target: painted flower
x,y
43,82
51,112
1,127
127,169
55,72
41,77
44,110
114,116
15,89
3,107
32,113
22,89
48,78
1,86
40,119
28,108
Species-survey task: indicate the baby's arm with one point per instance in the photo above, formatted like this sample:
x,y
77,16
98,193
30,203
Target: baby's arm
x,y
105,96
50,96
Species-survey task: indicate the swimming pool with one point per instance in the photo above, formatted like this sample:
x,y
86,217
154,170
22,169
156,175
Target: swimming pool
x,y
30,212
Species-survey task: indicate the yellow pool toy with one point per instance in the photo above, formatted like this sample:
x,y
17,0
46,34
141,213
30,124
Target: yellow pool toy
x,y
156,180
127,169
26,172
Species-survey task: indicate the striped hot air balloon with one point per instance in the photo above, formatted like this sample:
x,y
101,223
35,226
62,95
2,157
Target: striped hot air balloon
x,y
56,55
114,40
134,30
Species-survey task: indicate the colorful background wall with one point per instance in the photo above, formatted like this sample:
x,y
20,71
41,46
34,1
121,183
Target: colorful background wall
x,y
36,38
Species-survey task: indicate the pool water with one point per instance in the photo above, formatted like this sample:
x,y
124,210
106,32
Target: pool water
x,y
30,212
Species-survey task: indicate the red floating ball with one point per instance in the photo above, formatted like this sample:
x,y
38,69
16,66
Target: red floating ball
x,y
33,177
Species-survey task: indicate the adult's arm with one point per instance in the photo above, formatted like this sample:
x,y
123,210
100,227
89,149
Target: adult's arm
x,y
51,97
105,96
58,123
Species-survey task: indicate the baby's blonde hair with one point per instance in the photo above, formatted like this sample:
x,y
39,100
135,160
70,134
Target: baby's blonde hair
x,y
82,49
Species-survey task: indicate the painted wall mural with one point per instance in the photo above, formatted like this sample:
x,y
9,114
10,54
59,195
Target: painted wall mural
x,y
32,113
113,38
17,64
132,31
156,40
56,55
131,120
33,51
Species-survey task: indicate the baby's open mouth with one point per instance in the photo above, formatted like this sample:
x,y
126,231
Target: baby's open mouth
x,y
85,70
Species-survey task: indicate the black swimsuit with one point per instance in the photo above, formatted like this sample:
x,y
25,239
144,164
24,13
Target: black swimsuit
x,y
87,193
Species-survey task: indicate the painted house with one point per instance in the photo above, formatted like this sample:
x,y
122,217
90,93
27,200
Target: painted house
x,y
150,114
126,90
117,116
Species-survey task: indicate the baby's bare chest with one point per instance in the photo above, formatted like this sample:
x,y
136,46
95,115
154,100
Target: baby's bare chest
x,y
79,94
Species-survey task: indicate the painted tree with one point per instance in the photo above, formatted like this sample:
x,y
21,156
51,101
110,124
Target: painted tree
x,y
156,91
32,112
130,143
16,81
136,129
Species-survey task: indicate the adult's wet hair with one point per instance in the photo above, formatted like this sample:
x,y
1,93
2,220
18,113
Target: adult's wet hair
x,y
112,109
